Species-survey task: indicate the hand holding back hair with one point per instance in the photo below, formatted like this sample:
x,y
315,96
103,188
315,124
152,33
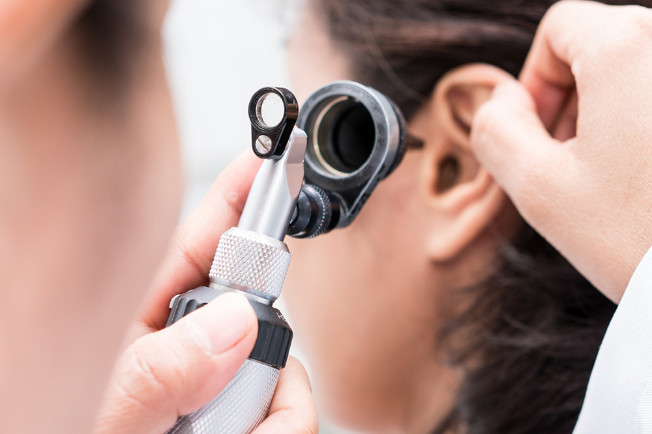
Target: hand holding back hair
x,y
570,143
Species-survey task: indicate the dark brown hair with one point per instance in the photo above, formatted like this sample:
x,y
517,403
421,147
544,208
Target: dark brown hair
x,y
110,34
527,343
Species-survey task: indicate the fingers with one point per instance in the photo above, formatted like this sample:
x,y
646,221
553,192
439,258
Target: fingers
x,y
179,369
187,264
512,143
565,127
293,408
571,35
573,51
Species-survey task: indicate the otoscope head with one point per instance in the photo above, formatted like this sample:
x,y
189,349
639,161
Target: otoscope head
x,y
356,138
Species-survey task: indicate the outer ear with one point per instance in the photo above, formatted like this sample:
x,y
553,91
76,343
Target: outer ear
x,y
29,27
460,196
460,93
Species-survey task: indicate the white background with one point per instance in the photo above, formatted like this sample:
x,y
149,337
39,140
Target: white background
x,y
218,54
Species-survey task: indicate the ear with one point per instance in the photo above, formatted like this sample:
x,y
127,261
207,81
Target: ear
x,y
461,198
28,28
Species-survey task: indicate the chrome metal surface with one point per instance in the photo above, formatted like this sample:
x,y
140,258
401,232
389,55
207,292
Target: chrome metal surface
x,y
240,408
251,262
275,190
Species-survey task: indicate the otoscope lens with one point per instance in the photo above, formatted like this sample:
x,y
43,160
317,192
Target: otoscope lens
x,y
352,138
270,110
346,136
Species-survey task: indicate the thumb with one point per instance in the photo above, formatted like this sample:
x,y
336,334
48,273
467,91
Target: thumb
x,y
511,142
175,371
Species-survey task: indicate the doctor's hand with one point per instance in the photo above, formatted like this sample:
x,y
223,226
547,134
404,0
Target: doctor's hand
x,y
169,372
571,141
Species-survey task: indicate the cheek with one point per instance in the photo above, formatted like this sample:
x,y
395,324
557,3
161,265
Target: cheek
x,y
352,297
345,271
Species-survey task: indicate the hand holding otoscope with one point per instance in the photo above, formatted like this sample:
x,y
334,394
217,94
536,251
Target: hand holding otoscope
x,y
347,139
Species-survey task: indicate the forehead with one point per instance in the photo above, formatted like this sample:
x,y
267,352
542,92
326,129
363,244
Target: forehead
x,y
313,61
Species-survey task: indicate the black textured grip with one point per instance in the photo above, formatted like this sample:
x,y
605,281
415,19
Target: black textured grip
x,y
274,334
313,213
182,306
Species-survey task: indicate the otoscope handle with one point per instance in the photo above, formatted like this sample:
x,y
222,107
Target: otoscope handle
x,y
253,259
241,406
256,265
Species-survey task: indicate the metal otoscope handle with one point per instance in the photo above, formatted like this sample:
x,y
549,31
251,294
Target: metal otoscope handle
x,y
253,259
357,138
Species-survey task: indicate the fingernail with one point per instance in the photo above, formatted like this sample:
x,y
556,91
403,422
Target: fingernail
x,y
225,321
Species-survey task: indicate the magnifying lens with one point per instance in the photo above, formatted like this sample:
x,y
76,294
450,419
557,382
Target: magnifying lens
x,y
273,114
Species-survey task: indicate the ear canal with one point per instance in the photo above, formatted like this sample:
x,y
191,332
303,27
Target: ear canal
x,y
449,174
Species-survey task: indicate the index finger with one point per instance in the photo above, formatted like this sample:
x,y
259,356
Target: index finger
x,y
569,33
293,408
188,262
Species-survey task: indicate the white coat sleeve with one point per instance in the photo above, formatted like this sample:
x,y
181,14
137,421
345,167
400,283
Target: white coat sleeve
x,y
619,394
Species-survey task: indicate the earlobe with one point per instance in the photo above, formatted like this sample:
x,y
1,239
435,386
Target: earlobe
x,y
466,212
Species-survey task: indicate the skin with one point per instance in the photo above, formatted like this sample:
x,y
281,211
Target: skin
x,y
90,193
85,183
166,373
455,227
91,185
367,301
603,154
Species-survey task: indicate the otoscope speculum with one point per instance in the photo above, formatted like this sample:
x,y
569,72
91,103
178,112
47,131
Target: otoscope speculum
x,y
356,138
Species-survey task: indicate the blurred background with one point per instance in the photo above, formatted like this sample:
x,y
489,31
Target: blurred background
x,y
218,54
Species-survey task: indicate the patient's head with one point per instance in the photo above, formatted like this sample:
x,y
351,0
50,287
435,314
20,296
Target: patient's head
x,y
90,185
438,308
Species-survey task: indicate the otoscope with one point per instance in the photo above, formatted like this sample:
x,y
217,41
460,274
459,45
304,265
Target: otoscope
x,y
321,165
